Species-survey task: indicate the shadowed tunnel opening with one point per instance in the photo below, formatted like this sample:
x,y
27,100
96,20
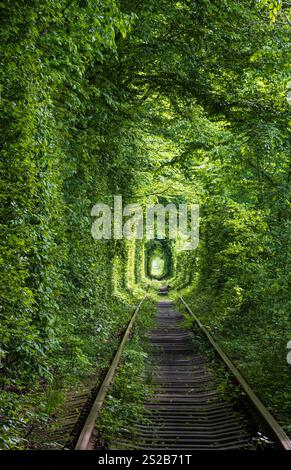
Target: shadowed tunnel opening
x,y
157,266
158,260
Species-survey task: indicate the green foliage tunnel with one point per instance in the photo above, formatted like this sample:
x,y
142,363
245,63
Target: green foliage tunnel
x,y
160,102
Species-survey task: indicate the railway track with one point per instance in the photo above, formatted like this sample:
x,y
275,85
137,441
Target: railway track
x,y
188,410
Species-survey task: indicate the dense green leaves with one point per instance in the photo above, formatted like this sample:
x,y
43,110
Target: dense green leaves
x,y
160,102
61,125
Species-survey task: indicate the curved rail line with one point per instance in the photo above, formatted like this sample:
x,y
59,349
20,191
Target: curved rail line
x,y
83,442
187,411
270,422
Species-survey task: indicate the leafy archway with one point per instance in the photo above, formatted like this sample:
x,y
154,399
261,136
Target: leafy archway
x,y
158,260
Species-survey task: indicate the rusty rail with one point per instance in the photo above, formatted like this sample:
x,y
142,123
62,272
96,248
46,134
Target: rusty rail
x,y
276,430
88,428
187,410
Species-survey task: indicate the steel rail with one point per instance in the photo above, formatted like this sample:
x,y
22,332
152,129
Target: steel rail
x,y
88,428
275,428
187,410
